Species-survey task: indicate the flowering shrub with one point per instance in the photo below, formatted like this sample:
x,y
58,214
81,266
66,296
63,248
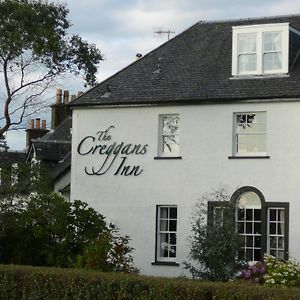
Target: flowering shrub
x,y
254,273
281,273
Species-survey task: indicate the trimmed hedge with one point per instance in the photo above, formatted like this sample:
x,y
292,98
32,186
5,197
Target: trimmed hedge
x,y
24,282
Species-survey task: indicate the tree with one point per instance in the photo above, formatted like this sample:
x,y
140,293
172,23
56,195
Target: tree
x,y
46,229
3,144
214,241
35,48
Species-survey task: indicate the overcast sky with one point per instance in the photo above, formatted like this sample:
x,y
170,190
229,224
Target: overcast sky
x,y
123,28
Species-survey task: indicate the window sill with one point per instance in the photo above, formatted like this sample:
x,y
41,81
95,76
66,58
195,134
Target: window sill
x,y
250,157
259,76
165,263
167,157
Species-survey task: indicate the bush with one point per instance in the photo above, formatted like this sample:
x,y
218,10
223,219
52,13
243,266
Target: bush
x,y
46,229
24,283
282,273
215,244
254,273
110,252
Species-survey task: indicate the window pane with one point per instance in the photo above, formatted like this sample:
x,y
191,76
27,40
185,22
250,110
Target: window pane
x,y
173,213
173,238
272,213
241,227
257,256
257,242
173,251
247,62
272,41
163,212
257,214
273,228
171,143
249,241
171,124
249,227
247,43
249,214
257,228
173,225
273,61
164,245
163,225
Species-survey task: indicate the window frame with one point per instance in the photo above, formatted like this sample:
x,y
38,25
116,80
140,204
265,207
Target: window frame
x,y
158,258
235,152
160,152
259,30
265,206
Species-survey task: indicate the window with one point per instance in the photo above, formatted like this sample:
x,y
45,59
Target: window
x,y
276,231
249,225
260,49
166,233
250,133
262,225
169,135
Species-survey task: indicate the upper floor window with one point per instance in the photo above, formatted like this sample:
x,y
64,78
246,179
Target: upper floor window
x,y
250,133
260,49
169,135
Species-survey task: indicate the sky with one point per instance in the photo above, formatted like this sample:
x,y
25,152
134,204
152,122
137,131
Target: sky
x,y
123,28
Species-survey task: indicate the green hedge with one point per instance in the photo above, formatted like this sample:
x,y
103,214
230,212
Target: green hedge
x,y
24,282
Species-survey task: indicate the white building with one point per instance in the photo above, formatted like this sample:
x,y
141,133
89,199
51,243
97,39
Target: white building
x,y
217,105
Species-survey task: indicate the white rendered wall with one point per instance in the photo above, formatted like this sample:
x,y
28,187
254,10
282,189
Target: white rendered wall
x,y
205,143
62,182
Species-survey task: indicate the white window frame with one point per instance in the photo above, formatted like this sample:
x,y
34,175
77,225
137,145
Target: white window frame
x,y
259,30
235,133
159,232
276,235
160,151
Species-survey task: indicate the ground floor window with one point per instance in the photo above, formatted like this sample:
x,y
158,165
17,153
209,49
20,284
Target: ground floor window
x,y
262,225
166,236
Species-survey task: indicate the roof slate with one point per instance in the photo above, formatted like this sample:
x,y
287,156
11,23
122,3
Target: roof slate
x,y
195,67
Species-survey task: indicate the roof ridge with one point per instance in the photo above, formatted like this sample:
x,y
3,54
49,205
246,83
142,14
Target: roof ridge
x,y
247,19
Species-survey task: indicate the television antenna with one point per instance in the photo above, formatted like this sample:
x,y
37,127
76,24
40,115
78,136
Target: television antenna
x,y
160,32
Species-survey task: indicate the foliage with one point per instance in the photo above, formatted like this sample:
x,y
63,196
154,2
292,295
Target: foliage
x,y
23,283
36,48
254,273
21,179
110,252
281,273
214,242
3,144
46,229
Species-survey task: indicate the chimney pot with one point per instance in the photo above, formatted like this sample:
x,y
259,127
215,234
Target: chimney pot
x,y
58,96
66,97
44,124
31,124
38,123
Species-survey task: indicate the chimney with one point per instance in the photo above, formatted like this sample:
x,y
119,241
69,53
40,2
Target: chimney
x,y
59,112
34,130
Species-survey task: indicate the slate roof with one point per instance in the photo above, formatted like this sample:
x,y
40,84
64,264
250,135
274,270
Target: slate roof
x,y
10,157
54,148
195,67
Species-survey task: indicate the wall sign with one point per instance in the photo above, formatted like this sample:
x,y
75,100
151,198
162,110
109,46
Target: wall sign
x,y
113,155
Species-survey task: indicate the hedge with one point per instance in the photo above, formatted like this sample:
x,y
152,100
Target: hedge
x,y
25,282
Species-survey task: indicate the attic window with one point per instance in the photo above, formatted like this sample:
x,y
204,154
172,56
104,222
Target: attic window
x,y
260,49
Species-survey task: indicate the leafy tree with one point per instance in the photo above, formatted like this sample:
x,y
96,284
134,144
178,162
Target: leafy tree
x,y
35,48
44,229
214,243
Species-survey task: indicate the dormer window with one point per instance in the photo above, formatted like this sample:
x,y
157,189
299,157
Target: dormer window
x,y
260,49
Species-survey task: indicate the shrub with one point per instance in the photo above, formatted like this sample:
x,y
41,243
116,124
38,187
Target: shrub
x,y
214,245
109,252
24,283
282,273
46,229
254,273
